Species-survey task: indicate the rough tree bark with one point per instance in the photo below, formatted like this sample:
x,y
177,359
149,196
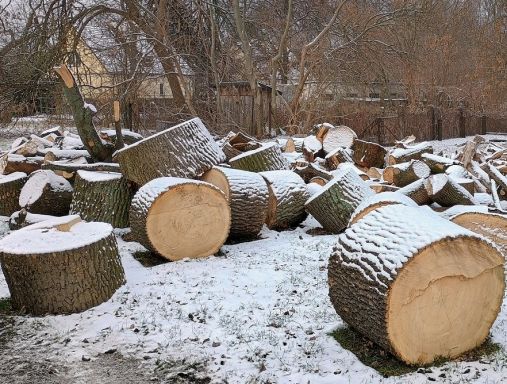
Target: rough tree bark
x,y
266,158
10,189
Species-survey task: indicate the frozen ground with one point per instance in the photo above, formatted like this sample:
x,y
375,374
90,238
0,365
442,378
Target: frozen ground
x,y
258,312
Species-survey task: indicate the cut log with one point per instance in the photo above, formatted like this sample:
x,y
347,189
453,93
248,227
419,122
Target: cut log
x,y
312,148
22,218
62,265
46,193
58,131
129,137
367,154
379,200
185,150
338,156
287,197
333,206
10,189
248,197
289,146
375,173
406,173
310,171
229,151
319,180
468,152
445,191
468,184
241,138
16,163
298,144
40,142
437,164
495,174
402,155
379,187
68,168
27,149
339,136
102,196
18,143
417,191
267,158
417,285
52,154
323,129
179,218
363,175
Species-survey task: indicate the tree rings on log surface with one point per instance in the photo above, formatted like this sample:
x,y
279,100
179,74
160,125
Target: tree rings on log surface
x,y
416,284
61,265
179,218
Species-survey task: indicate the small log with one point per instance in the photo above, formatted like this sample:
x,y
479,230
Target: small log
x,y
68,168
383,187
469,152
102,196
312,148
46,193
445,191
185,150
62,265
27,149
19,142
179,218
23,218
468,184
333,206
312,170
402,155
339,136
418,285
495,174
10,189
229,151
323,129
298,144
367,154
248,197
417,191
475,170
405,143
40,142
58,131
287,197
363,175
241,138
52,154
338,156
129,137
375,173
16,163
319,180
289,146
406,173
267,158
494,196
437,164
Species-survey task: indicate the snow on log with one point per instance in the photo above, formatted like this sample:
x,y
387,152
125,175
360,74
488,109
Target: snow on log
x,y
495,174
379,200
129,137
68,168
417,191
53,154
288,194
338,156
248,197
312,148
185,150
437,164
312,170
27,149
333,206
402,155
46,193
179,218
10,189
417,285
266,158
63,265
11,163
102,196
468,184
406,173
22,218
379,187
367,154
339,136
443,190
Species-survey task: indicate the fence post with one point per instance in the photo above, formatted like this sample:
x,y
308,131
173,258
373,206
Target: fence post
x,y
483,124
462,132
439,129
434,123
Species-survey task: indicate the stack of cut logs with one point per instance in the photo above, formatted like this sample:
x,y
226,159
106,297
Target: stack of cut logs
x,y
183,194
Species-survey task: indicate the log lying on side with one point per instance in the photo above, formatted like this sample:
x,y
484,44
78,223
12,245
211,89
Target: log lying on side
x,y
62,265
437,164
46,193
417,191
287,197
266,158
248,197
339,136
367,154
416,284
179,218
16,163
379,187
333,206
10,189
312,170
406,173
23,218
102,196
312,148
185,150
402,155
338,156
68,168
445,191
495,174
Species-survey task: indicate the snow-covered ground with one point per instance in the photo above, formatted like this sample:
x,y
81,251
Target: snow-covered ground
x,y
258,312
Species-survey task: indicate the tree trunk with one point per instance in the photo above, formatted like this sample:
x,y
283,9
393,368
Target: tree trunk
x,y
416,284
267,158
61,265
46,193
185,150
287,197
445,191
180,218
248,197
333,206
10,189
102,196
402,155
417,191
404,174
340,136
368,154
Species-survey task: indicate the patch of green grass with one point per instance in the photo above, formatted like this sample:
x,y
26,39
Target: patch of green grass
x,y
388,365
6,306
149,259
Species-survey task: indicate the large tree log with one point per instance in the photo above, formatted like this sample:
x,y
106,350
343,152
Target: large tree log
x,y
334,204
46,193
248,197
402,155
287,197
445,191
16,163
339,136
367,154
417,191
185,150
416,284
406,173
10,189
63,265
102,196
83,117
266,158
179,218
